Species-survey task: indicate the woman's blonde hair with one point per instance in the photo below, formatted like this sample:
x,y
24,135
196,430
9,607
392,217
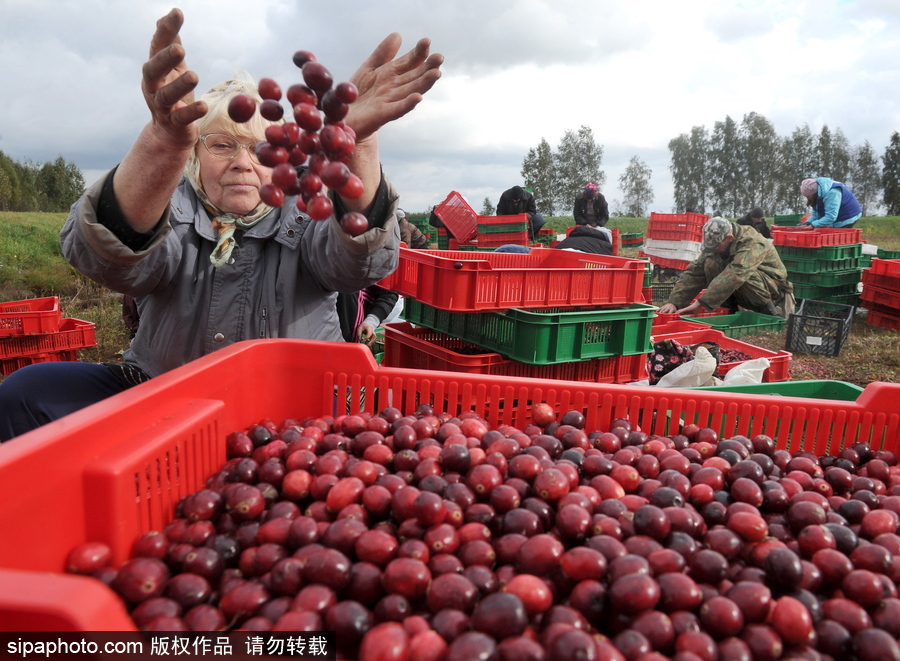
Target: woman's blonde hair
x,y
217,100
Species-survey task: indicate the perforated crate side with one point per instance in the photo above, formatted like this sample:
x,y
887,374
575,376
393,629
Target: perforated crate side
x,y
457,216
827,278
883,320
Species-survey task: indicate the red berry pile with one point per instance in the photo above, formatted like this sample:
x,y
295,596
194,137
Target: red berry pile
x,y
727,355
317,138
428,537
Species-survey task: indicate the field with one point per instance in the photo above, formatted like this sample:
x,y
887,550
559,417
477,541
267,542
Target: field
x,y
31,265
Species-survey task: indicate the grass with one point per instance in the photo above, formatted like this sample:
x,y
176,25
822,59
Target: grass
x,y
31,265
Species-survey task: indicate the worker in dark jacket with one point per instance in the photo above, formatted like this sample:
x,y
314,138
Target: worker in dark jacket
x,y
518,200
597,240
590,207
757,220
737,268
362,312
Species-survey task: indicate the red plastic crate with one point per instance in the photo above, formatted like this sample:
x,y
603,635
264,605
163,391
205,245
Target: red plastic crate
x,y
883,319
676,226
661,319
890,267
458,217
779,361
817,238
677,264
72,334
883,297
124,463
677,326
496,221
10,365
690,218
453,244
33,315
674,232
497,239
891,282
544,278
422,348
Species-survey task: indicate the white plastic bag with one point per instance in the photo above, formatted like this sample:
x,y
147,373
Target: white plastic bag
x,y
692,374
747,372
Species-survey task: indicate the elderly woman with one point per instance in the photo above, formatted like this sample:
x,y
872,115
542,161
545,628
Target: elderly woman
x,y
179,225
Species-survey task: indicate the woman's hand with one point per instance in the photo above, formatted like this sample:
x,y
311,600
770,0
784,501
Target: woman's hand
x,y
365,334
168,85
149,173
389,88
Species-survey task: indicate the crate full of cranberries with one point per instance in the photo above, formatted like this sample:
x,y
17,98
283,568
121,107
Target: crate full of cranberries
x,y
287,485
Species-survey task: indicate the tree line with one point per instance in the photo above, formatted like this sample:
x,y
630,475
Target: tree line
x,y
49,187
728,170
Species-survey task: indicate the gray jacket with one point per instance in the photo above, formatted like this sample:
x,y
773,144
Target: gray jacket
x,y
283,282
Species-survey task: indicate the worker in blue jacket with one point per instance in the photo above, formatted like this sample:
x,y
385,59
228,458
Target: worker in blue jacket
x,y
833,204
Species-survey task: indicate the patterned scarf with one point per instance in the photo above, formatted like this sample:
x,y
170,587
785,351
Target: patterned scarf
x,y
226,223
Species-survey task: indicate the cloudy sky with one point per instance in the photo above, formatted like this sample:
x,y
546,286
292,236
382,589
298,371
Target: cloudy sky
x,y
637,72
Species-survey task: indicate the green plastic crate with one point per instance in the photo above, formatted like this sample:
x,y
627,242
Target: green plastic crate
x,y
827,278
848,251
846,299
807,266
787,218
888,254
804,291
742,323
816,389
546,337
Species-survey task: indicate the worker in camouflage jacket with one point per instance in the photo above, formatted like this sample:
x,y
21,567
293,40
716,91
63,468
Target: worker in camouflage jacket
x,y
737,268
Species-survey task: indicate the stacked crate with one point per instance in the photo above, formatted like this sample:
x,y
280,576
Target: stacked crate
x,y
632,239
496,231
674,240
545,236
787,219
823,264
881,293
548,314
460,222
32,331
420,222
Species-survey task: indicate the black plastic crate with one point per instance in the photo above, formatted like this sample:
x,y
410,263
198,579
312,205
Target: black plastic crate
x,y
819,327
661,292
